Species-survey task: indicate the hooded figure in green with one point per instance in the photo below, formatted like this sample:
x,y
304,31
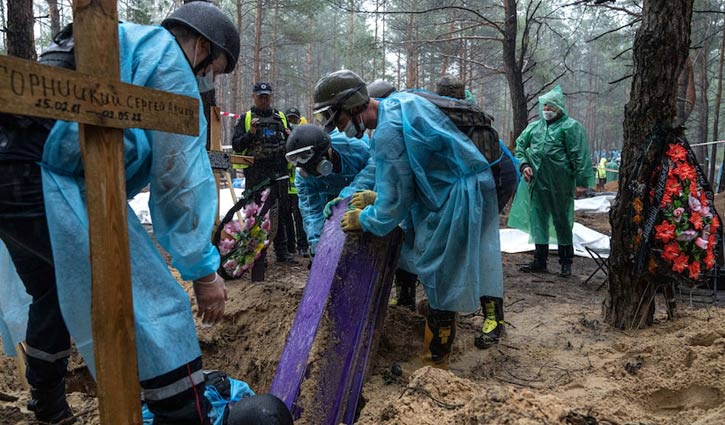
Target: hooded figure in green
x,y
555,163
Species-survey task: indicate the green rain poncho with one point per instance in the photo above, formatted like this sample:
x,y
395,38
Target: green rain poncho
x,y
559,155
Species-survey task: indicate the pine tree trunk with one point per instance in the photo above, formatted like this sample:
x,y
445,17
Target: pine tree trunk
x,y
513,69
702,103
718,99
257,61
235,100
350,35
54,16
274,77
411,65
20,29
660,51
309,73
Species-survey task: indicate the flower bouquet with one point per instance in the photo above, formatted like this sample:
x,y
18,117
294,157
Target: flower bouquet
x,y
686,229
241,243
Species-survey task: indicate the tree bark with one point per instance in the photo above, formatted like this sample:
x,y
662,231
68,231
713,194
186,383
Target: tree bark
x,y
20,29
718,99
273,55
702,103
257,62
411,65
54,16
350,35
685,93
309,73
513,69
235,101
660,50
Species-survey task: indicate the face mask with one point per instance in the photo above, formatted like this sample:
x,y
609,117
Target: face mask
x,y
354,129
549,115
206,82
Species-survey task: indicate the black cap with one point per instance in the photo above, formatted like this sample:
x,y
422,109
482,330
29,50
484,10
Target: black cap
x,y
262,88
294,112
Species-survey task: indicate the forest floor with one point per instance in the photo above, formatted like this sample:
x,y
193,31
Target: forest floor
x,y
559,362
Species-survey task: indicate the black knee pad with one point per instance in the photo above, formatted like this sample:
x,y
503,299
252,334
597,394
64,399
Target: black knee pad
x,y
259,409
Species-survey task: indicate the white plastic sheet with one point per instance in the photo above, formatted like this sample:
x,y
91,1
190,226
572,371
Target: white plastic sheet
x,y
514,240
597,204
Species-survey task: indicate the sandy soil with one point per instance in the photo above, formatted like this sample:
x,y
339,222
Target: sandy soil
x,y
559,363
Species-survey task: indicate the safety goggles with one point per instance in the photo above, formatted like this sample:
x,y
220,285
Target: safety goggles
x,y
300,156
328,117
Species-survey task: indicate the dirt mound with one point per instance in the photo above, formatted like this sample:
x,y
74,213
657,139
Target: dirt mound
x,y
258,316
439,397
558,363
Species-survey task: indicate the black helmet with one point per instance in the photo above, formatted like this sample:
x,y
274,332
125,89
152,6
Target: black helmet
x,y
259,409
211,23
307,146
292,112
343,89
380,89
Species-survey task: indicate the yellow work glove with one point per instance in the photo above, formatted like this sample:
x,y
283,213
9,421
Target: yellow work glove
x,y
362,199
351,220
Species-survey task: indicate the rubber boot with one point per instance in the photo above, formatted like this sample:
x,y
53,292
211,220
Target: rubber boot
x,y
566,258
440,332
50,405
541,255
493,326
405,283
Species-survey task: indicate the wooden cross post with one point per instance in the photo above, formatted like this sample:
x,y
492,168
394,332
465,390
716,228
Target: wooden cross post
x,y
95,97
219,160
222,162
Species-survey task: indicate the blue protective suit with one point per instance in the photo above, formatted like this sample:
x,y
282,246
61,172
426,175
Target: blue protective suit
x,y
14,304
183,202
315,192
432,176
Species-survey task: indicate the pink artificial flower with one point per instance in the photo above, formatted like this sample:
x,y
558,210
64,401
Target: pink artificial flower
x,y
265,195
251,210
687,235
677,213
232,228
694,203
249,223
226,245
705,211
238,271
701,243
266,225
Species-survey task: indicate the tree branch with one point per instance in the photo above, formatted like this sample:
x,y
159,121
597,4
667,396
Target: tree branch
x,y
615,30
621,79
481,64
488,22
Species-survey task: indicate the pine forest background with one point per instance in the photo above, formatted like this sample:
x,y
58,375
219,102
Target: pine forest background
x,y
507,52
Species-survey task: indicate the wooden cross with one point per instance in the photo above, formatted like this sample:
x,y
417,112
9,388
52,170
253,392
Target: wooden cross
x,y
95,97
222,162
